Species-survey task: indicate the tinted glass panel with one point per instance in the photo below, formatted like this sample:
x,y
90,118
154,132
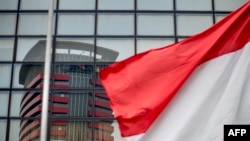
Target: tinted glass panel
x,y
147,44
4,99
35,4
228,5
7,24
31,49
75,50
154,4
76,24
110,50
155,25
6,49
8,4
5,75
192,24
75,75
199,5
3,128
24,130
25,75
110,24
77,4
31,24
116,4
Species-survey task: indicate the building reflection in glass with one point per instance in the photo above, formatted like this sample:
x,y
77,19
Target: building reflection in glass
x,y
67,103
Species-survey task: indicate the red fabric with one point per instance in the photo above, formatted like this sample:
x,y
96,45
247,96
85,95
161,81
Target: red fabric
x,y
141,86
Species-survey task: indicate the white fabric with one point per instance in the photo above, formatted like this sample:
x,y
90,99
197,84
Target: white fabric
x,y
217,93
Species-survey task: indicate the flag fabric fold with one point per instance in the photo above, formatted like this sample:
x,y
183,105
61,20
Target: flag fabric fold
x,y
186,91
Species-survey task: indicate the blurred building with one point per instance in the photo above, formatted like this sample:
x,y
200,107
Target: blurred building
x,y
65,103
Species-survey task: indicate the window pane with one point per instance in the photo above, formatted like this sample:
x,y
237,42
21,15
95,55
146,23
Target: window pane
x,y
76,50
154,4
30,49
228,5
116,134
192,24
4,100
110,50
25,73
101,106
14,130
76,24
72,103
109,24
201,5
147,44
35,4
155,25
16,98
31,24
8,4
3,129
219,17
26,103
77,4
5,73
7,24
116,4
106,131
63,130
73,130
76,75
24,130
6,49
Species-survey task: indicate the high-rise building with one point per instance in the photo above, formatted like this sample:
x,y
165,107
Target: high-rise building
x,y
65,104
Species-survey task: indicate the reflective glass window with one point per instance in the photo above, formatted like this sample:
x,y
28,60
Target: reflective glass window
x,y
152,24
4,99
192,24
7,24
110,50
116,4
194,5
72,103
3,129
106,131
81,24
6,49
26,103
35,4
77,4
14,130
31,49
8,4
75,75
33,24
24,74
114,24
24,130
228,5
5,75
74,50
147,44
154,4
16,99
219,17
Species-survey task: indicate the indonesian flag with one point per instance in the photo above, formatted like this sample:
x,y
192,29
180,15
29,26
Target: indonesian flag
x,y
186,91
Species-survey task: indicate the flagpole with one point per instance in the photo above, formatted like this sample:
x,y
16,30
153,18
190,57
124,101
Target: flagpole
x,y
47,64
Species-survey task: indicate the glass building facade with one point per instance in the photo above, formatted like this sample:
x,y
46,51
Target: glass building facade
x,y
87,36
